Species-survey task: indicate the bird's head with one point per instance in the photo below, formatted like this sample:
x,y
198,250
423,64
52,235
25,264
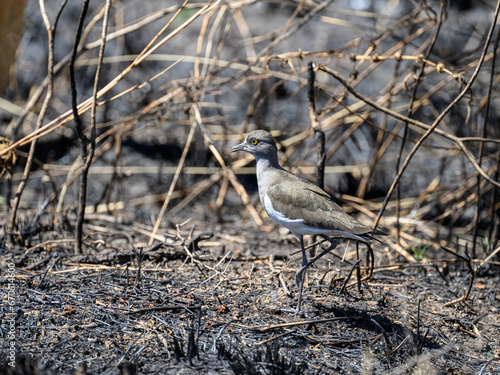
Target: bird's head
x,y
259,143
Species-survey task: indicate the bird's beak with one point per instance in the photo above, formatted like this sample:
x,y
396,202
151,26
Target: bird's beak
x,y
240,147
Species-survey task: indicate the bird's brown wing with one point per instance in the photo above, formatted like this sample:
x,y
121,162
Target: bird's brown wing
x,y
304,200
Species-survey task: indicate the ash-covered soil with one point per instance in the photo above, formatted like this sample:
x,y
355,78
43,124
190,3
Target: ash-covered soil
x,y
203,304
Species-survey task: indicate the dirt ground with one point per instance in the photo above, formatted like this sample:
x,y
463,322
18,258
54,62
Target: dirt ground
x,y
209,300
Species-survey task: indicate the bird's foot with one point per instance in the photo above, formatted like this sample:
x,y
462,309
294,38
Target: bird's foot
x,y
294,312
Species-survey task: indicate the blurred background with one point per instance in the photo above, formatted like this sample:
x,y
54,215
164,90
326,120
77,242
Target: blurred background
x,y
218,70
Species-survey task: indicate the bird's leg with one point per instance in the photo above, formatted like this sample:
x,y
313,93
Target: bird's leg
x,y
299,275
333,245
304,256
299,280
301,272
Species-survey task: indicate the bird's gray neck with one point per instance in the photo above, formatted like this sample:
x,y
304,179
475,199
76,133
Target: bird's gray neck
x,y
265,169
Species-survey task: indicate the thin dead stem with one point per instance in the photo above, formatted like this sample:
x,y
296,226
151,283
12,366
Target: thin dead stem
x,y
50,88
88,155
79,129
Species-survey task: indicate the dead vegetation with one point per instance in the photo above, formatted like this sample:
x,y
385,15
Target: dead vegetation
x,y
137,241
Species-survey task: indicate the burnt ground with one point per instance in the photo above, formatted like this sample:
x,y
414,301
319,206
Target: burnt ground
x,y
196,304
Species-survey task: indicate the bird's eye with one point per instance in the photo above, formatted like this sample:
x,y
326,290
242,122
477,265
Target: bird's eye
x,y
254,141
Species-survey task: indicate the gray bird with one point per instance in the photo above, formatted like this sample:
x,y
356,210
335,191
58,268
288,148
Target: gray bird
x,y
299,205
